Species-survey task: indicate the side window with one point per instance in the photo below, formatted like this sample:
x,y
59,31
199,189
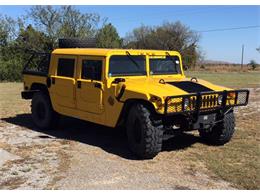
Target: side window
x,y
65,67
91,69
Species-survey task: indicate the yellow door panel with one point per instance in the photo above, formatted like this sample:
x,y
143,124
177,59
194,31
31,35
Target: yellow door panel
x,y
63,91
89,96
89,86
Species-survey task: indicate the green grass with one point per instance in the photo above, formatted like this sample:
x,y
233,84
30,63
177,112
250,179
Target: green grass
x,y
11,102
238,161
229,79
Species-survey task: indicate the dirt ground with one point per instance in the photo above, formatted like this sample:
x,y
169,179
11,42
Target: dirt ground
x,y
81,155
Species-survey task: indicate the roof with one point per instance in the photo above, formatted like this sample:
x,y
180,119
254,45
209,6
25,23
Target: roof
x,y
108,52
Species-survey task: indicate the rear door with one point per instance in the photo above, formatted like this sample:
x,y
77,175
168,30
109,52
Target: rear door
x,y
89,87
63,81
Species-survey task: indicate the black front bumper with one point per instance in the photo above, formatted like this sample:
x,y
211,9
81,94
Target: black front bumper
x,y
205,101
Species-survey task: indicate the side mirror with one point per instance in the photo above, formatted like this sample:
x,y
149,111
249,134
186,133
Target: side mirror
x,y
118,80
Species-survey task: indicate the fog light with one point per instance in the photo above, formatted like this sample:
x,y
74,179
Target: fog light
x,y
220,97
186,103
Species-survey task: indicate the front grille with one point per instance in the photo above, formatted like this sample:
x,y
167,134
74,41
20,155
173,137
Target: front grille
x,y
210,101
178,104
205,101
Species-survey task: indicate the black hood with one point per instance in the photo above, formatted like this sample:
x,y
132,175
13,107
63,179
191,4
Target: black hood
x,y
190,87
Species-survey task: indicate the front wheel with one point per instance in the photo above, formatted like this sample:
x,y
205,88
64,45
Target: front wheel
x,y
144,132
222,132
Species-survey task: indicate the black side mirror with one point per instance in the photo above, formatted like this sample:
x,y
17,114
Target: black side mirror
x,y
118,80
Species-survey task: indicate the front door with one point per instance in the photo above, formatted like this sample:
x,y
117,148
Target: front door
x,y
63,81
89,86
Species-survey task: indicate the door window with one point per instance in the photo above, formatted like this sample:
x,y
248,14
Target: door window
x,y
65,67
91,69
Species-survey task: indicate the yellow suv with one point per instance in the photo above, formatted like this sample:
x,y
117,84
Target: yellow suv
x,y
144,90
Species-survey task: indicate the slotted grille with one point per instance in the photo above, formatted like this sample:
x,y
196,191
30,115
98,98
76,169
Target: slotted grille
x,y
177,104
209,101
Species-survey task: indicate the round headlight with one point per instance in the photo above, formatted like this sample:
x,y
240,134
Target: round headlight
x,y
186,103
220,97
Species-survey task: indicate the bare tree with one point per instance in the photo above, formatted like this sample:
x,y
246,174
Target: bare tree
x,y
76,24
65,21
168,36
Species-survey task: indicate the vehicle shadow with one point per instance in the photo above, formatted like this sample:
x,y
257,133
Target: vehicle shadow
x,y
111,140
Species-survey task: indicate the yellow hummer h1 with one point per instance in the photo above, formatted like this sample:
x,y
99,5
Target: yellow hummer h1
x,y
144,90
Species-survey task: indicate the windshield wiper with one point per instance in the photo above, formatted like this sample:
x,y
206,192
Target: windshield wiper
x,y
132,59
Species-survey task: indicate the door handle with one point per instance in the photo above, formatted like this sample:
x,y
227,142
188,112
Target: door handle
x,y
79,84
98,85
52,80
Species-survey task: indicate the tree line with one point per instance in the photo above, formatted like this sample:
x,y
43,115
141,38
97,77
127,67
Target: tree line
x,y
41,27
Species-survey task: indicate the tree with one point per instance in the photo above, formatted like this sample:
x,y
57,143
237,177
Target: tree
x,y
8,30
16,50
76,24
107,37
168,36
63,22
48,23
29,39
139,38
253,64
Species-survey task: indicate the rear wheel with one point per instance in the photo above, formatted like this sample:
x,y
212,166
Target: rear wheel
x,y
222,132
43,114
144,132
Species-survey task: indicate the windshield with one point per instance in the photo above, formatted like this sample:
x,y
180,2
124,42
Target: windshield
x,y
164,65
127,66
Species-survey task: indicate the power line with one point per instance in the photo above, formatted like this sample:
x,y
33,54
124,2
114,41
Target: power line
x,y
228,29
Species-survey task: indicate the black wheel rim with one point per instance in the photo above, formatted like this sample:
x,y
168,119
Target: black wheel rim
x,y
40,110
137,131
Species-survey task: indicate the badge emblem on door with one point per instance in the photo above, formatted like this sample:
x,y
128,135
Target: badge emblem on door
x,y
111,101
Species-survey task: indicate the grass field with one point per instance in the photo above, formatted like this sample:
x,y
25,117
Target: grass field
x,y
230,79
237,162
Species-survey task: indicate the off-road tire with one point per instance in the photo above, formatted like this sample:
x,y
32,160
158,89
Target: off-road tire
x,y
77,43
144,132
43,115
222,132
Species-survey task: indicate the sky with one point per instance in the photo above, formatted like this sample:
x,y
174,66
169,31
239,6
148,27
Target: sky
x,y
224,45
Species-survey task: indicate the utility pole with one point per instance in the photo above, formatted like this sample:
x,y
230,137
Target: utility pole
x,y
242,57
